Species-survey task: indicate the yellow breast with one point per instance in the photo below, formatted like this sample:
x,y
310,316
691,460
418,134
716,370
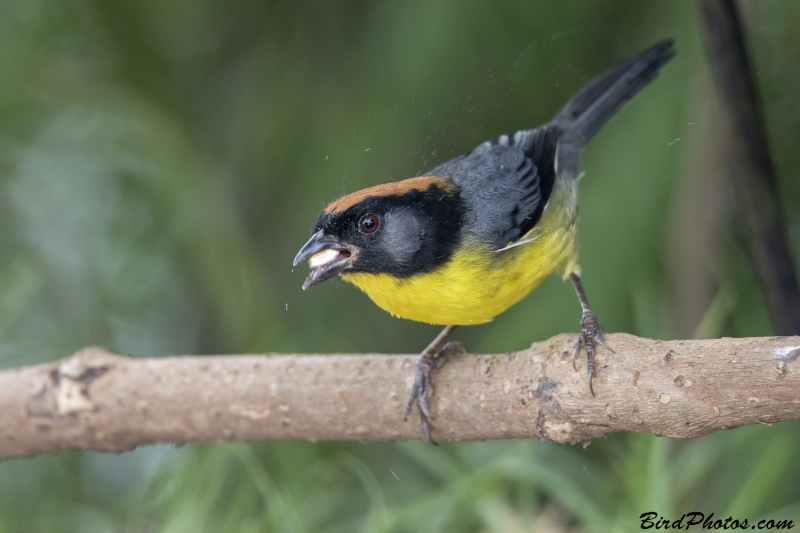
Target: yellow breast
x,y
479,283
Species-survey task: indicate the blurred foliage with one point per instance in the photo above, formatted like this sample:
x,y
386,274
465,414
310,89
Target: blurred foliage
x,y
161,162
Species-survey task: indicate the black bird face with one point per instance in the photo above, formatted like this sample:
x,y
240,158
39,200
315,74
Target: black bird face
x,y
402,228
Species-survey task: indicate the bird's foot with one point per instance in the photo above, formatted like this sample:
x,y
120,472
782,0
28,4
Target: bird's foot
x,y
591,335
422,389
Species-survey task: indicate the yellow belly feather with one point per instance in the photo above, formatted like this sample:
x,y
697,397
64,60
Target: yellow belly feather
x,y
479,283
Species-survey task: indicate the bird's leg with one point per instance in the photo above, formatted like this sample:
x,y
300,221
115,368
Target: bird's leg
x,y
591,332
429,360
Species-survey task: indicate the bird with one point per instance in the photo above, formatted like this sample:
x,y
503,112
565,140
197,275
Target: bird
x,y
463,242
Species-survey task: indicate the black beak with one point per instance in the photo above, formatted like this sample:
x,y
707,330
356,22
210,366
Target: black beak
x,y
327,257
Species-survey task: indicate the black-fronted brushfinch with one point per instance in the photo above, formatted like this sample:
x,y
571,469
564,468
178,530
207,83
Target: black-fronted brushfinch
x,y
476,234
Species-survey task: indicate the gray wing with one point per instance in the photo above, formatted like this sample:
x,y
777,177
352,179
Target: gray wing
x,y
505,183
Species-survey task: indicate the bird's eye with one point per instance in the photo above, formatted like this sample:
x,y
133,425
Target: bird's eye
x,y
368,223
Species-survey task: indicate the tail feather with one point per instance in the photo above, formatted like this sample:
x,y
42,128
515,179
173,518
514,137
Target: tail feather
x,y
593,107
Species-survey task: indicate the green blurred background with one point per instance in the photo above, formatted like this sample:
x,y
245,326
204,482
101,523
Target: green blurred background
x,y
162,161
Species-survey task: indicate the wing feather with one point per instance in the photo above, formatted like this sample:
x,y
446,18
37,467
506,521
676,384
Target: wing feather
x,y
505,183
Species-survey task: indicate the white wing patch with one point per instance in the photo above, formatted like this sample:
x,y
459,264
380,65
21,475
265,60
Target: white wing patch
x,y
530,239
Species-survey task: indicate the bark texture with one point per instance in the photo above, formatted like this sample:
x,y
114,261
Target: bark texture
x,y
96,400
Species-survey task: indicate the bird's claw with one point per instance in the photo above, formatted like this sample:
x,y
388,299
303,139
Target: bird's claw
x,y
422,389
591,334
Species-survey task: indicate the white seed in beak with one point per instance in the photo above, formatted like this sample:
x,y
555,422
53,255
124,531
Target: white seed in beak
x,y
323,258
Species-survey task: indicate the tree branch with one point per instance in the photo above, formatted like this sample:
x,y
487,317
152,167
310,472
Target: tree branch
x,y
751,167
95,400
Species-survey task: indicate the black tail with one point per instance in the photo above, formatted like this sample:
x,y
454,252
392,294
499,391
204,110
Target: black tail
x,y
589,110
